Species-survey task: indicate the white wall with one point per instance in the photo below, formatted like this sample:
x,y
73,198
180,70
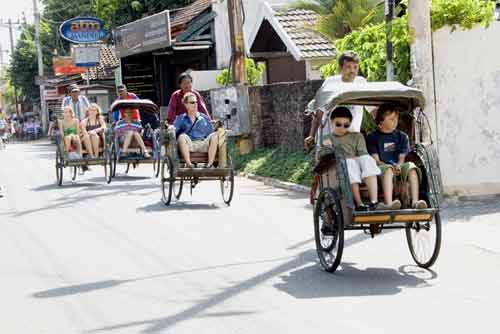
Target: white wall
x,y
205,80
222,37
467,73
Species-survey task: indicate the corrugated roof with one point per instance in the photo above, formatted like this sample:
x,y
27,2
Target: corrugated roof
x,y
181,18
299,26
109,61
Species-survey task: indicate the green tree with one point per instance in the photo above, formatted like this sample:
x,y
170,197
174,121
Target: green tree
x,y
24,65
340,17
254,73
369,41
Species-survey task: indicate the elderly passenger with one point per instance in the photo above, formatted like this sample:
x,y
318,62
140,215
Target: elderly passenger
x,y
195,131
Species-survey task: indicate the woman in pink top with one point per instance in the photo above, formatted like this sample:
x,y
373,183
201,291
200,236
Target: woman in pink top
x,y
176,107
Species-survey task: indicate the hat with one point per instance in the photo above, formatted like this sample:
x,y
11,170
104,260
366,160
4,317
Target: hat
x,y
122,88
75,89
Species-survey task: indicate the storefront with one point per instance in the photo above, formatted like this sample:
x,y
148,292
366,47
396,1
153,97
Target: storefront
x,y
151,61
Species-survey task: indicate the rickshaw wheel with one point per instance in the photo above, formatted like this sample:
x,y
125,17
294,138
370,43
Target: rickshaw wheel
x,y
329,246
59,167
127,169
178,193
227,187
112,160
424,241
167,180
108,167
156,166
75,172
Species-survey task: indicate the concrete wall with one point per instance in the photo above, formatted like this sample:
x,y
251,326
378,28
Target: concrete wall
x,y
467,74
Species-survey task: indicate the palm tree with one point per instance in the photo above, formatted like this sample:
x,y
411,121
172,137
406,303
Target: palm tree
x,y
340,17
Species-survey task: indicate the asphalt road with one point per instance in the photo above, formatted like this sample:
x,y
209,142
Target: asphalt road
x,y
95,258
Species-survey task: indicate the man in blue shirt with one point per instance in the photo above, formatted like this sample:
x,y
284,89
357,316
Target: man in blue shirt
x,y
79,103
195,132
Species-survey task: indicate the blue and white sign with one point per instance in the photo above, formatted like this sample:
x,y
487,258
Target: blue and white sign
x,y
83,30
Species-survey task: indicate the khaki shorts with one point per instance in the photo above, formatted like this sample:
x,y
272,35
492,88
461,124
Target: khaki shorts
x,y
197,145
405,171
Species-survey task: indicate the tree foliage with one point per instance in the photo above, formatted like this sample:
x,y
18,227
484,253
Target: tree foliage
x,y
370,41
254,73
24,65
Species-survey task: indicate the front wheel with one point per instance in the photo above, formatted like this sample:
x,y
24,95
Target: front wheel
x,y
329,229
167,180
59,167
424,241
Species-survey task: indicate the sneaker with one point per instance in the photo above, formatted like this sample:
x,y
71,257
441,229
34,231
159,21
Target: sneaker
x,y
363,207
395,205
420,204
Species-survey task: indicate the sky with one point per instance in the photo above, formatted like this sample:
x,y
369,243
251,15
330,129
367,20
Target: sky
x,y
13,9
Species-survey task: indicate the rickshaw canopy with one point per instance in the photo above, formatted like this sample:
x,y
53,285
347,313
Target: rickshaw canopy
x,y
370,94
143,105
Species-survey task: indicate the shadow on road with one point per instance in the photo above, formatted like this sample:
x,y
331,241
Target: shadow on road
x,y
312,282
179,206
307,282
465,211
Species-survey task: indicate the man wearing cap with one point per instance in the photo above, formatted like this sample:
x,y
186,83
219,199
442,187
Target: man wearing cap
x,y
123,94
78,102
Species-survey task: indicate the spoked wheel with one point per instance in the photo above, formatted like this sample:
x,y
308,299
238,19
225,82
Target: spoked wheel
x,y
178,192
109,167
167,180
329,229
227,187
128,168
75,172
424,241
59,167
156,165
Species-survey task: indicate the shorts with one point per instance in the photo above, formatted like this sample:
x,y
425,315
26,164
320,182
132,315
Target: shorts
x,y
123,126
198,145
405,171
361,167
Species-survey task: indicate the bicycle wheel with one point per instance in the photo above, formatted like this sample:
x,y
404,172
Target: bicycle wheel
x,y
167,180
227,187
424,241
329,229
59,167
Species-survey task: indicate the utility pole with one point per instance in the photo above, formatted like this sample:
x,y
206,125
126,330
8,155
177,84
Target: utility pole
x,y
12,55
422,62
235,10
389,15
43,108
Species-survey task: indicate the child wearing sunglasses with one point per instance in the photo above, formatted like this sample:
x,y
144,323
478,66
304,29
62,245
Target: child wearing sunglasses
x,y
360,165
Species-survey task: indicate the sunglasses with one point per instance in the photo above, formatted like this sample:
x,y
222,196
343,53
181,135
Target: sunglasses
x,y
340,125
191,102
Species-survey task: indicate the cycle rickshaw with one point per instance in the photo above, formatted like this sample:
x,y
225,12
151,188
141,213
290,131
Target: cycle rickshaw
x,y
173,167
334,202
67,160
149,113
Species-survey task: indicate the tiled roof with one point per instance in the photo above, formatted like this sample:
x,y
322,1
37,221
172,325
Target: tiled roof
x,y
299,24
181,18
108,63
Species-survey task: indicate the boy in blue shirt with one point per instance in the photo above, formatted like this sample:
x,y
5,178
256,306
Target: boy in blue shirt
x,y
389,147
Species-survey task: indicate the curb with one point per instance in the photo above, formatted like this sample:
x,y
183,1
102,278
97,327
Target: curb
x,y
277,183
448,202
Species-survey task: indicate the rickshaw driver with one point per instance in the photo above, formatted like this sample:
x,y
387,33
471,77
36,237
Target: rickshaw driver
x,y
195,132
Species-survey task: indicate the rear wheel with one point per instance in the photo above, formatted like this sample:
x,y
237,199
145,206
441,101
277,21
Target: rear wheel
x,y
424,241
227,187
329,229
109,166
59,167
75,172
167,180
178,192
127,169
